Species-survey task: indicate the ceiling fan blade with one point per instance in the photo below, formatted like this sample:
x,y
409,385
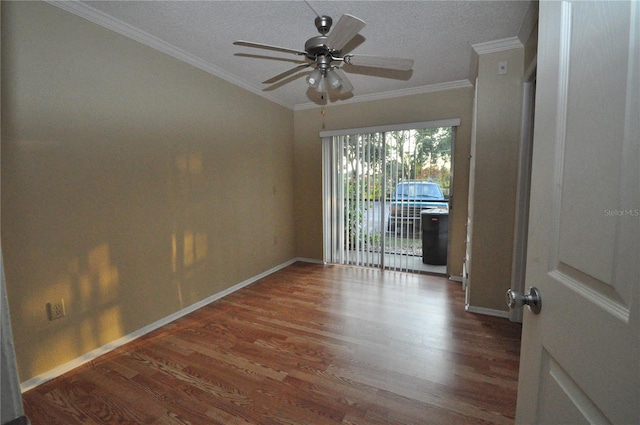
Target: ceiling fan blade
x,y
285,74
346,87
400,64
272,58
346,28
268,47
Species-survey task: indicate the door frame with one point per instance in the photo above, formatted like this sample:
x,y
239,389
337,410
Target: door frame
x,y
12,407
523,188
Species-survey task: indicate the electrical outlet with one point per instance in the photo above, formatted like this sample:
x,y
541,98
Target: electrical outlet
x,y
56,309
503,68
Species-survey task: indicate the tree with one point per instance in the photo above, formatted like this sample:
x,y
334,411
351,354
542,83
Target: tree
x,y
363,153
423,154
435,147
418,154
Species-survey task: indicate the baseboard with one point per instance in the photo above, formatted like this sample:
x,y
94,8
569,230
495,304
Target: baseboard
x,y
456,278
310,260
91,355
487,311
22,420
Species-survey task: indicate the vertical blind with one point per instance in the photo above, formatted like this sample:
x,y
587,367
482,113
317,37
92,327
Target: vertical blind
x,y
360,170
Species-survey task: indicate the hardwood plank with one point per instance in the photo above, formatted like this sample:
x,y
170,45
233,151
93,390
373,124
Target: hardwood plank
x,y
310,344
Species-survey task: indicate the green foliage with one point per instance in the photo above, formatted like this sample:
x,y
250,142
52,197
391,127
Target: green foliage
x,y
362,155
417,154
368,189
440,175
423,154
354,228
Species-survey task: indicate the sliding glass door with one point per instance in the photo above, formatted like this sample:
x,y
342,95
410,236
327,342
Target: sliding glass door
x,y
379,183
357,186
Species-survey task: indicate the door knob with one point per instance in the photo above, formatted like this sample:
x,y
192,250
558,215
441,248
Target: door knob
x,y
532,299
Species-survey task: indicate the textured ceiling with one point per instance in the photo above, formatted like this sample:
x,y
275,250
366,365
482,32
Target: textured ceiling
x,y
437,34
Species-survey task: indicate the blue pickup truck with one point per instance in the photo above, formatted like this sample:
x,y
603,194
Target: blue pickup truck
x,y
409,199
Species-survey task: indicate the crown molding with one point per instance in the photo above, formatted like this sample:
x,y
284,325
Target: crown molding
x,y
497,45
100,18
393,94
97,17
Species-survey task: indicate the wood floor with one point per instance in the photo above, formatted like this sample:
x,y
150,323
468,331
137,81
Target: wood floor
x,y
310,345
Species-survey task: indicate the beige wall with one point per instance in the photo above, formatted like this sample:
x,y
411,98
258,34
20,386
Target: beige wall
x,y
438,105
496,166
133,185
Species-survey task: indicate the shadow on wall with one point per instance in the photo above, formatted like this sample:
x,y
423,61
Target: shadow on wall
x,y
189,247
91,288
121,245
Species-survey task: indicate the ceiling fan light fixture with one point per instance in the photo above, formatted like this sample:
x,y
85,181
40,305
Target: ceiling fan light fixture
x,y
314,78
322,86
333,79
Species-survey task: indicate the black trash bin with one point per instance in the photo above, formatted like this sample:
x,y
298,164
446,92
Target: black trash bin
x,y
435,236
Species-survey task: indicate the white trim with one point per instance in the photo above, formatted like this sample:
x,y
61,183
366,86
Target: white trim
x,y
310,260
91,355
497,45
327,177
523,186
104,20
460,84
456,278
529,22
452,122
10,385
530,73
487,311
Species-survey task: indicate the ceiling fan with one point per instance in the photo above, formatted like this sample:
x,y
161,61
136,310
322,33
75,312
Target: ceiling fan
x,y
324,53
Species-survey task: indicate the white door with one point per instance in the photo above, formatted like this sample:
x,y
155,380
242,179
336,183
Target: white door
x,y
466,270
580,359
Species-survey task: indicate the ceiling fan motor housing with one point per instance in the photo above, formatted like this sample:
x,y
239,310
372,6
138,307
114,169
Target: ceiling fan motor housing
x,y
316,46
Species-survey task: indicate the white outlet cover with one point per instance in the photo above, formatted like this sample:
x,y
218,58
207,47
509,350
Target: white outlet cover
x,y
502,68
